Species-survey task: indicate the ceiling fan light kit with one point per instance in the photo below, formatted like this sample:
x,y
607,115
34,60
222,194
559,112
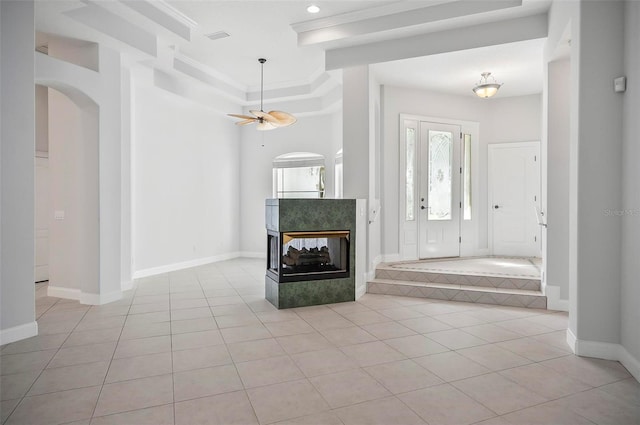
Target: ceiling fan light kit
x,y
265,120
487,86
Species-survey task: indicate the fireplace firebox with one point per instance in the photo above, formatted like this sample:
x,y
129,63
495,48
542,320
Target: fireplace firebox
x,y
311,251
308,255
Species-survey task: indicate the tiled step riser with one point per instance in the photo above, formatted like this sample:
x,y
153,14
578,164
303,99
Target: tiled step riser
x,y
459,279
475,296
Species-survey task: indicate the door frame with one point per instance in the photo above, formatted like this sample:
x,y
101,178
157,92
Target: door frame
x,y
490,148
408,230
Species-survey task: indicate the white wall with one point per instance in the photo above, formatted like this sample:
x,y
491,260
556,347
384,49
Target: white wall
x,y
512,119
186,174
599,161
17,117
73,164
316,134
556,203
630,285
42,119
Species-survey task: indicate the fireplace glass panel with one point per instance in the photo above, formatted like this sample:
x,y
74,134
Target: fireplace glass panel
x,y
309,255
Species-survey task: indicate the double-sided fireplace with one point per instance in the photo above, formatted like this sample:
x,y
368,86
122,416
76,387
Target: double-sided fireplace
x,y
308,255
310,251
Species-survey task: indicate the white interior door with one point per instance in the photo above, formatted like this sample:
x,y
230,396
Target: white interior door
x,y
439,190
514,193
42,211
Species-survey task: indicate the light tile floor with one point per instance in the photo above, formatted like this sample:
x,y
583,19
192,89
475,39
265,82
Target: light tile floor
x,y
202,346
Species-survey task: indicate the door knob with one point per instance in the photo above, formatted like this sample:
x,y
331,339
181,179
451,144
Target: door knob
x,y
422,207
496,207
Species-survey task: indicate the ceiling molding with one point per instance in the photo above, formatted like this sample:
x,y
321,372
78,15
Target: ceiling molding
x,y
409,18
165,15
470,37
115,27
360,15
292,90
196,70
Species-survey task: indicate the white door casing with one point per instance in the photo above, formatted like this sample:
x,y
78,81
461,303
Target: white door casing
x,y
42,211
514,194
439,190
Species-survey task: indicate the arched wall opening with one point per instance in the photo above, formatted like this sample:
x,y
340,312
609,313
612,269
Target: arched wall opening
x,y
74,237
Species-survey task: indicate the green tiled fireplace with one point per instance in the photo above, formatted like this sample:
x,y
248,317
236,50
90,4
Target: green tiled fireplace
x,y
310,251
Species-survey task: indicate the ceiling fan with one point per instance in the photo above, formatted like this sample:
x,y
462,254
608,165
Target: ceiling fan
x,y
266,120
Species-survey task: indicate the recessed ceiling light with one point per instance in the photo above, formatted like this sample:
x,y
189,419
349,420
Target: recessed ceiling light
x,y
313,9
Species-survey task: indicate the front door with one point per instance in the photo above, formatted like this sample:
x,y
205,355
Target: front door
x,y
514,194
439,191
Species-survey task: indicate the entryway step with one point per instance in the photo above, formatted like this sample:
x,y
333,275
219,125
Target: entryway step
x,y
456,292
391,271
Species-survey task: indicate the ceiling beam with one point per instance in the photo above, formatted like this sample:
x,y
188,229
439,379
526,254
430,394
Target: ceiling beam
x,y
330,29
162,13
489,34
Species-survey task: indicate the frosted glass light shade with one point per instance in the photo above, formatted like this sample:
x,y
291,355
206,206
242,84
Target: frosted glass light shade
x,y
486,88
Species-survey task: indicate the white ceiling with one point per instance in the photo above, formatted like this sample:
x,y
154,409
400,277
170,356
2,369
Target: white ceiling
x,y
263,28
518,66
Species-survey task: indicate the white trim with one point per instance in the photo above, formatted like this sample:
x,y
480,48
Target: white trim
x,y
391,258
99,299
126,285
361,290
174,13
152,271
571,340
252,254
83,297
631,363
606,351
554,302
18,333
62,292
42,154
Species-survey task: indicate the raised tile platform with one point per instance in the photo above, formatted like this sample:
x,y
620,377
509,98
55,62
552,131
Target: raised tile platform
x,y
479,287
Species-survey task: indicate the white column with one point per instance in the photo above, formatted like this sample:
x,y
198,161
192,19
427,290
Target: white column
x,y
17,127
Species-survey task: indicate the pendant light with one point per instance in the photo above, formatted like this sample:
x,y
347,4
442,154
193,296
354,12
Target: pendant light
x,y
487,86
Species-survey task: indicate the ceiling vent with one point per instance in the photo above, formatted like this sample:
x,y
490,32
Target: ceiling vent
x,y
217,35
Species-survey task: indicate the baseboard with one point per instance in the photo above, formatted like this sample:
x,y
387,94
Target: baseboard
x,y
18,333
554,302
152,271
252,254
83,297
99,299
361,290
606,351
126,285
571,340
61,292
390,258
631,363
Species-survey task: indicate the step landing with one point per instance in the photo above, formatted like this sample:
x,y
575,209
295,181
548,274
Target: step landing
x,y
497,290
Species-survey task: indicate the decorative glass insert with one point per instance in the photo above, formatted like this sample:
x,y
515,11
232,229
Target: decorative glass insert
x,y
440,173
466,177
410,174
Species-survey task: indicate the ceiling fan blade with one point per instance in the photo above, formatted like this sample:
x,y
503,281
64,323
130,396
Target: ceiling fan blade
x,y
244,117
247,121
284,118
